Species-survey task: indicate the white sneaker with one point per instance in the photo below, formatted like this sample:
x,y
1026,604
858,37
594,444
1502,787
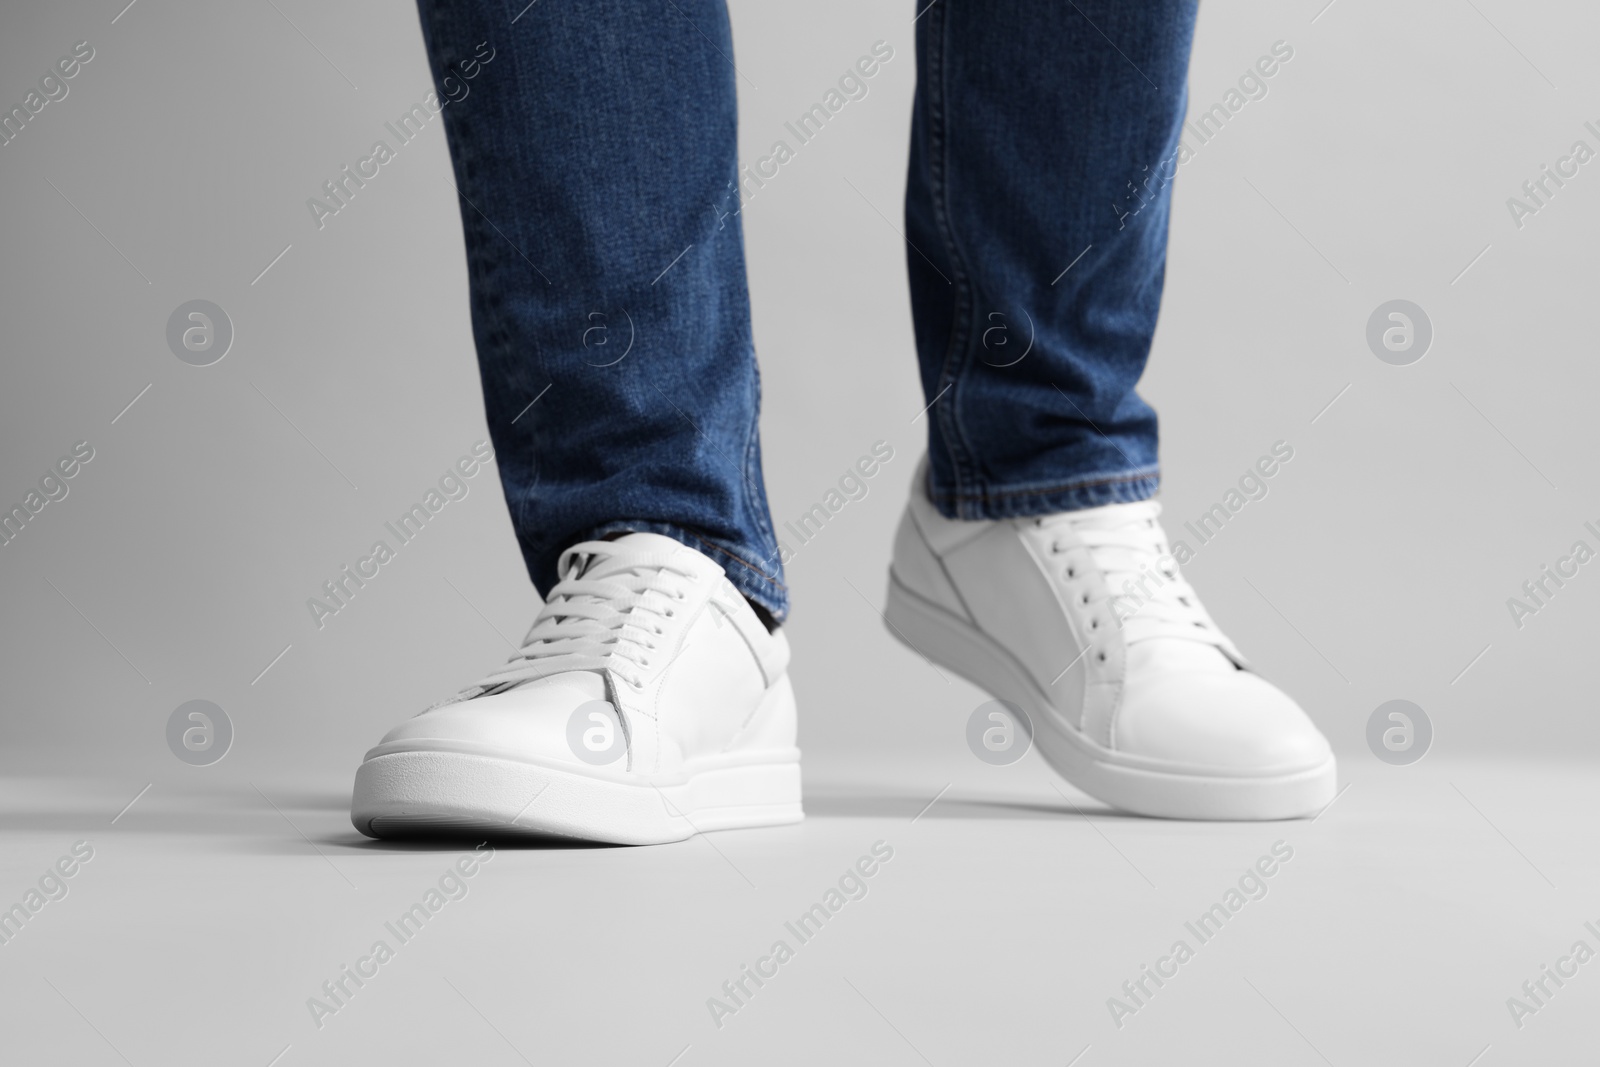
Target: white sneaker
x,y
1082,619
648,703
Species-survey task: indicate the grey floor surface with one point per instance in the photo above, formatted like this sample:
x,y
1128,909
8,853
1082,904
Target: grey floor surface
x,y
1010,912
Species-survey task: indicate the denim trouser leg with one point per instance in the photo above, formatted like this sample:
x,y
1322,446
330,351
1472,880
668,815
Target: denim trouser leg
x,y
596,158
595,155
1043,137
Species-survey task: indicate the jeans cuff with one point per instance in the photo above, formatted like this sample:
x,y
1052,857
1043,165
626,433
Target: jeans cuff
x,y
754,580
1029,501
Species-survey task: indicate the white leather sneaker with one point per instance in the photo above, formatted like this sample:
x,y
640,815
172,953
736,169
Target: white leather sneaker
x,y
1082,619
648,703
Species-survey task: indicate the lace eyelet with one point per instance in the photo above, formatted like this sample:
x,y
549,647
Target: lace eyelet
x,y
1071,573
1101,657
1085,599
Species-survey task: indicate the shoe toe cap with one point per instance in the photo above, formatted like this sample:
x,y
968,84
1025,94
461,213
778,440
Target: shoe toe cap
x,y
1235,721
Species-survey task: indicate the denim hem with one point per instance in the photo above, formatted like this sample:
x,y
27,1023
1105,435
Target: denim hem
x,y
1027,501
746,575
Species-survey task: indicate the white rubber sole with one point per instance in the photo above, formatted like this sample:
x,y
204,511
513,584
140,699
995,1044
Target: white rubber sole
x,y
431,793
1142,787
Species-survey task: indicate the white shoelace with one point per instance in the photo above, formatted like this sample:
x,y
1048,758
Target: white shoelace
x,y
1148,595
604,614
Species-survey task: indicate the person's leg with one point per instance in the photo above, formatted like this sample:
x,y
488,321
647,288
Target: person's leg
x,y
1043,137
595,157
1029,558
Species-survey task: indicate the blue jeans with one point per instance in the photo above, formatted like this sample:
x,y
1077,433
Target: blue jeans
x,y
596,162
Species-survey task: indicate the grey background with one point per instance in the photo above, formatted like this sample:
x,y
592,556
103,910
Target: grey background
x,y
1378,567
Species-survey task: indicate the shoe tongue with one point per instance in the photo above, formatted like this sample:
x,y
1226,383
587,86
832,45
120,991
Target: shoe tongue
x,y
652,542
1107,516
634,549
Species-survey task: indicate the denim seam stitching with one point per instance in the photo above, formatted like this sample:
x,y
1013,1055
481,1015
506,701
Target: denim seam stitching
x,y
533,423
758,505
955,437
478,266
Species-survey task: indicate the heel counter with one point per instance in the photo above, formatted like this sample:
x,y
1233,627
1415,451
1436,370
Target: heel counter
x,y
915,567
